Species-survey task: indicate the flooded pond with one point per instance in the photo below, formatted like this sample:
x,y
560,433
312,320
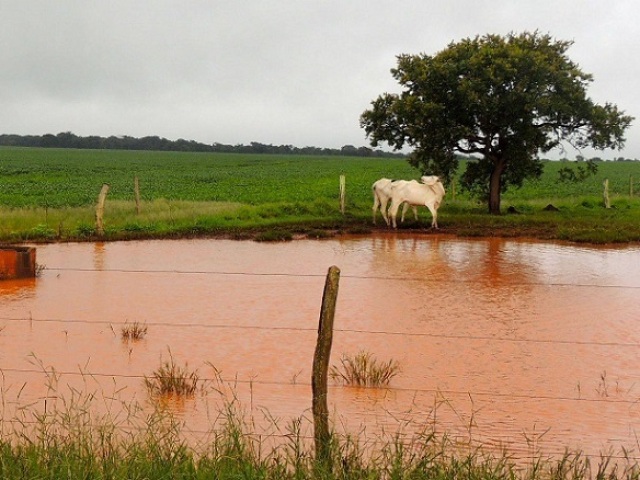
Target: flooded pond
x,y
529,345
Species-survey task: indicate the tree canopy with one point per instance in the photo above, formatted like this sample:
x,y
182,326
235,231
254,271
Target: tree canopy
x,y
155,143
499,99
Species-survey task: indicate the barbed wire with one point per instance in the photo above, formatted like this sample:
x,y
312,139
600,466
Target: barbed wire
x,y
342,276
254,381
32,319
506,443
435,391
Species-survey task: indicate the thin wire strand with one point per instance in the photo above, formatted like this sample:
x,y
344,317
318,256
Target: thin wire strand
x,y
343,276
336,330
235,381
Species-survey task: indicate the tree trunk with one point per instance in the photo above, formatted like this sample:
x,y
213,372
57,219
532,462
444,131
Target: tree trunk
x,y
495,183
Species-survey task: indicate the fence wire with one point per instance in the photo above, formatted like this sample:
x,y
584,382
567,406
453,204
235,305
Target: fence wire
x,y
521,452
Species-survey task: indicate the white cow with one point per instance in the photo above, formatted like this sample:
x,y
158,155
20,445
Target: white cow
x,y
382,190
428,193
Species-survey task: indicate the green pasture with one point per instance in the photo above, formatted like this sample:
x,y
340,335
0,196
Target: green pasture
x,y
50,194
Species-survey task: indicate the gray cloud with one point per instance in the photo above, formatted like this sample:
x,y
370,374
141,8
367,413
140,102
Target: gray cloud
x,y
285,72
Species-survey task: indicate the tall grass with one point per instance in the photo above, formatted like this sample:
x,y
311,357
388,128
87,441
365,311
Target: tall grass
x,y
70,440
363,369
172,379
159,218
133,331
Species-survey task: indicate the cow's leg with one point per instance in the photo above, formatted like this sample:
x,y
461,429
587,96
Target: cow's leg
x,y
434,216
376,206
393,212
404,211
405,206
383,209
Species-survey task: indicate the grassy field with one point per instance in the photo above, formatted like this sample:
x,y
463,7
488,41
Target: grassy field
x,y
50,195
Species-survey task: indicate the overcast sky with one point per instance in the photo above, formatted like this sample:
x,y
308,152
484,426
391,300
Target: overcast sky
x,y
293,72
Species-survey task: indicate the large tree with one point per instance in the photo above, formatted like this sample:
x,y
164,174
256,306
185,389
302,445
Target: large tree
x,y
499,99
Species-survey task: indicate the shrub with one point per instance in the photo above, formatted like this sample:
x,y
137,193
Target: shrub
x,y
85,230
137,227
43,231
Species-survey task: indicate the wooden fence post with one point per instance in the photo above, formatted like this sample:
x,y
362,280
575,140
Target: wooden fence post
x,y
343,186
100,210
322,435
607,201
136,191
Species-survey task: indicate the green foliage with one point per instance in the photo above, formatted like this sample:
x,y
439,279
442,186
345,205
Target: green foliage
x,y
476,178
566,174
501,99
43,232
154,143
84,230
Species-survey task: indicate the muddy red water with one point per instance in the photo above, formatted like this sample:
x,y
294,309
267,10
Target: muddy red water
x,y
528,345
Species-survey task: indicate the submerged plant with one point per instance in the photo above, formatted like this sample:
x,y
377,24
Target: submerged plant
x,y
171,379
133,331
40,268
364,370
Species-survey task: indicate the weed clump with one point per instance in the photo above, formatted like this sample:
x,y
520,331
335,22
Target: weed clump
x,y
171,379
364,370
133,331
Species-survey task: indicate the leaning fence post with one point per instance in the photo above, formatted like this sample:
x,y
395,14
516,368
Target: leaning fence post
x,y
100,210
322,436
342,192
607,201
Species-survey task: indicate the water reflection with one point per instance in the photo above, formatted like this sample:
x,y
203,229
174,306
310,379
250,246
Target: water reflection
x,y
98,255
515,335
16,289
410,257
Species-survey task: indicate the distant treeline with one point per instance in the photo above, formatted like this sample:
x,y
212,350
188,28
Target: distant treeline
x,y
70,140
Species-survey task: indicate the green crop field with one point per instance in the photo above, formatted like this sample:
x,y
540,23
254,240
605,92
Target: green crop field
x,y
57,178
50,194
